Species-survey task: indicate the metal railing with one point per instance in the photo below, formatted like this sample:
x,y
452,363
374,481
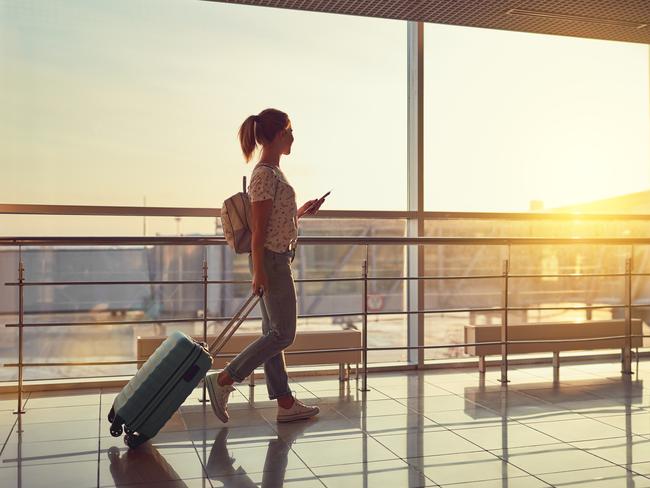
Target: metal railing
x,y
364,278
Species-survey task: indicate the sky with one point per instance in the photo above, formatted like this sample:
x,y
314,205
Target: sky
x,y
115,102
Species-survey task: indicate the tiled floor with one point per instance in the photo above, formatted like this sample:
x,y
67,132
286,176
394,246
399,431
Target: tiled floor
x,y
438,428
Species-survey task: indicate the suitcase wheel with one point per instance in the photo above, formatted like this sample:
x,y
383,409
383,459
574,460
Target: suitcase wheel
x,y
116,430
111,415
134,441
128,431
113,453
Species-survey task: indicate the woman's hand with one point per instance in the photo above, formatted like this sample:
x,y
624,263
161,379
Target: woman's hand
x,y
310,207
260,283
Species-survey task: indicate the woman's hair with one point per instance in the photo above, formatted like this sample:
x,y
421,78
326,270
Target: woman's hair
x,y
261,129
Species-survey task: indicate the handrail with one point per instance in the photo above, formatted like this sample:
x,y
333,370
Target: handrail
x,y
23,243
135,211
341,349
332,240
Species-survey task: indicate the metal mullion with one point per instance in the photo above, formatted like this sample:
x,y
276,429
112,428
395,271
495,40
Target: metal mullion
x,y
415,179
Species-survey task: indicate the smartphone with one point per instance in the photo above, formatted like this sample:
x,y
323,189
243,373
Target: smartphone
x,y
320,199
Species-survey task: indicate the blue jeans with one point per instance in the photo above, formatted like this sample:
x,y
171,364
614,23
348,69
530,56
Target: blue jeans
x,y
278,306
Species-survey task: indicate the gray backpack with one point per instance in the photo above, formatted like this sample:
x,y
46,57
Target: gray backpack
x,y
237,220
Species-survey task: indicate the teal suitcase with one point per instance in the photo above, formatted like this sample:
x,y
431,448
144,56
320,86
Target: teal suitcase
x,y
165,380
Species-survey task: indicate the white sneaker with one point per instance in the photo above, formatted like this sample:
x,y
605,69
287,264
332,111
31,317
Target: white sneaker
x,y
299,411
218,396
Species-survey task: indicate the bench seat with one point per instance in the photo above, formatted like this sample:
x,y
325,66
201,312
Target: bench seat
x,y
562,331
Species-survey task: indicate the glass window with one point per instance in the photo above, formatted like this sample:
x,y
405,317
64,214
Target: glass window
x,y
109,103
517,121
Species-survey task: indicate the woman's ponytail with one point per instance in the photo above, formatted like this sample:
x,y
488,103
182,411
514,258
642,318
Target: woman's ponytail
x,y
261,129
247,137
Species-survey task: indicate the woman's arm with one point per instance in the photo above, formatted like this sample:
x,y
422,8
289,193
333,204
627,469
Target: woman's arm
x,y
261,215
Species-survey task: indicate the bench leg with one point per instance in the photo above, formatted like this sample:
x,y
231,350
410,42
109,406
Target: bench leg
x,y
481,364
356,371
251,379
556,366
344,372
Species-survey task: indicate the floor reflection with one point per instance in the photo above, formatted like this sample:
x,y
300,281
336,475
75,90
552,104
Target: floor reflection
x,y
142,465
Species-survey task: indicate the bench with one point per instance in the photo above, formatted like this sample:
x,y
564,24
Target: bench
x,y
305,341
562,331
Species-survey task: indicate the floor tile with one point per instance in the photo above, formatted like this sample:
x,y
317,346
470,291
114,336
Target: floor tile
x,y
360,449
324,384
9,401
61,414
7,418
430,443
295,478
397,424
565,394
316,430
53,431
460,419
427,405
640,468
227,460
50,452
164,442
519,482
636,423
179,483
372,409
146,464
394,473
77,474
501,399
354,395
610,477
619,450
406,389
550,458
466,467
256,435
63,398
578,430
505,436
202,417
540,413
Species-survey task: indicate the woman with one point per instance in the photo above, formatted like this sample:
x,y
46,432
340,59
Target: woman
x,y
275,219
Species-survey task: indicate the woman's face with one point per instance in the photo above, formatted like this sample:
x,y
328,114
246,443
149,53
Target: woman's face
x,y
286,139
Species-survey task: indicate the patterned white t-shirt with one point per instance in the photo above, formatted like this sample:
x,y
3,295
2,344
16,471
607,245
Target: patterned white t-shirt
x,y
270,184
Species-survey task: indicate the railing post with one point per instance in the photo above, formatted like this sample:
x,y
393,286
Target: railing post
x,y
205,310
504,323
626,360
21,320
364,384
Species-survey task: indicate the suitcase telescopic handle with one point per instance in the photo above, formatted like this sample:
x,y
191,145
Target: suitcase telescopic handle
x,y
234,324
